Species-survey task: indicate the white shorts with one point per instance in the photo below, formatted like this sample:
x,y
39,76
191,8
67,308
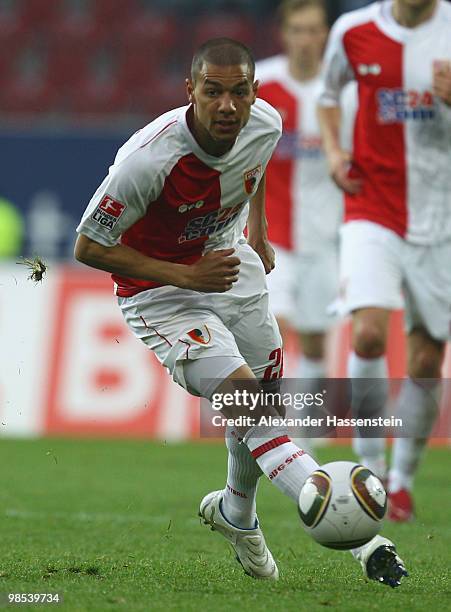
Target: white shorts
x,y
302,286
181,325
380,269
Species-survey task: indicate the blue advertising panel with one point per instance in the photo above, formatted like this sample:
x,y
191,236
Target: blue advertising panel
x,y
50,178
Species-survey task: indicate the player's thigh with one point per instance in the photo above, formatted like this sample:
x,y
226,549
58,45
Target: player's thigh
x,y
258,339
317,279
189,335
282,283
427,289
370,267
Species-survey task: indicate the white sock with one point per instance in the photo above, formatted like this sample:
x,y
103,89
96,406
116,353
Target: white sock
x,y
369,396
311,368
286,466
239,499
308,375
417,407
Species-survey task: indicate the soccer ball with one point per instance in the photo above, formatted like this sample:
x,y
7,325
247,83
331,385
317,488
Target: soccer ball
x,y
342,505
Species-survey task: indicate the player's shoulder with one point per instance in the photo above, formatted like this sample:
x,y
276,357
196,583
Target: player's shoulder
x,y
271,68
157,138
265,117
349,21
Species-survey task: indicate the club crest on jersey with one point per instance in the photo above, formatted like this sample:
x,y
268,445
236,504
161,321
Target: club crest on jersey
x,y
252,179
108,212
200,334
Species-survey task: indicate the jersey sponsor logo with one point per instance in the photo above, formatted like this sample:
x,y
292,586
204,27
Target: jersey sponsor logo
x,y
294,145
200,334
369,69
190,205
399,105
108,212
252,179
213,223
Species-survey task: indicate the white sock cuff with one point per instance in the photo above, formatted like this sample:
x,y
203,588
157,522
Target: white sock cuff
x,y
360,367
311,368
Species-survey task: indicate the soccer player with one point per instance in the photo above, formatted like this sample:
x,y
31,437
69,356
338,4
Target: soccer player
x,y
398,202
168,223
303,205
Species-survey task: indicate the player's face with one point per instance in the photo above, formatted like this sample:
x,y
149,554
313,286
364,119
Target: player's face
x,y
222,97
304,35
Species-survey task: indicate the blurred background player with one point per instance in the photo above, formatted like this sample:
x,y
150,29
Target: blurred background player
x,y
398,201
304,206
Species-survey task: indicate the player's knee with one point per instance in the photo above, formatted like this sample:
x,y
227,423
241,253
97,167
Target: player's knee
x,y
313,345
369,340
426,362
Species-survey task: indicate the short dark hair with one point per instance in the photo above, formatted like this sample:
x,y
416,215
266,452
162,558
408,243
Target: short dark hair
x,y
222,52
287,7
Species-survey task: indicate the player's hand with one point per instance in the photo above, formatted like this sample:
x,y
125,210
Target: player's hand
x,y
215,272
441,81
265,251
339,165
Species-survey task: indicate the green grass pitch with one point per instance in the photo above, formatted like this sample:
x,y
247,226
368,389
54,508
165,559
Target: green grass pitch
x,y
112,525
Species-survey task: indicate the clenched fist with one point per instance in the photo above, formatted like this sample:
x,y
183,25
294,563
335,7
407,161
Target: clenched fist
x,y
215,272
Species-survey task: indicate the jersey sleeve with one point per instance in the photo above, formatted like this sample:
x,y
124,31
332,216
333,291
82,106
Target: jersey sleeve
x,y
336,70
273,118
121,199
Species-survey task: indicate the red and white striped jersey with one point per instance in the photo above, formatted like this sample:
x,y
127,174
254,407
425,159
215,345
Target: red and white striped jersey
x,y
402,136
303,205
167,198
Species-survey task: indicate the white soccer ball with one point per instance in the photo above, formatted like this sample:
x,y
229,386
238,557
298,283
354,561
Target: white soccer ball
x,y
342,505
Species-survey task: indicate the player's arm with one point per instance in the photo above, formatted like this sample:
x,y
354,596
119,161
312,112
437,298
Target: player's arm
x,y
336,73
257,227
215,272
338,159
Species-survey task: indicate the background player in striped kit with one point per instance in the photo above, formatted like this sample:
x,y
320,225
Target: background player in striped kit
x,y
304,206
398,201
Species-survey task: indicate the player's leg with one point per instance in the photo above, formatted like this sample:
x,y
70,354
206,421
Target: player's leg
x,y
428,295
370,281
418,405
317,290
288,467
232,511
367,368
317,280
313,364
282,286
240,494
198,350
284,463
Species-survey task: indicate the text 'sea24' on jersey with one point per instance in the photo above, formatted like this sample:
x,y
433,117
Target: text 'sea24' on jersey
x,y
402,137
167,198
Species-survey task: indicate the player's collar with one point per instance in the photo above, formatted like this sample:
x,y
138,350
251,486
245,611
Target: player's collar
x,y
210,160
390,27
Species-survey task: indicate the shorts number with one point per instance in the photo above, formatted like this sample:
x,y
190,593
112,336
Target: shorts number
x,y
276,369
